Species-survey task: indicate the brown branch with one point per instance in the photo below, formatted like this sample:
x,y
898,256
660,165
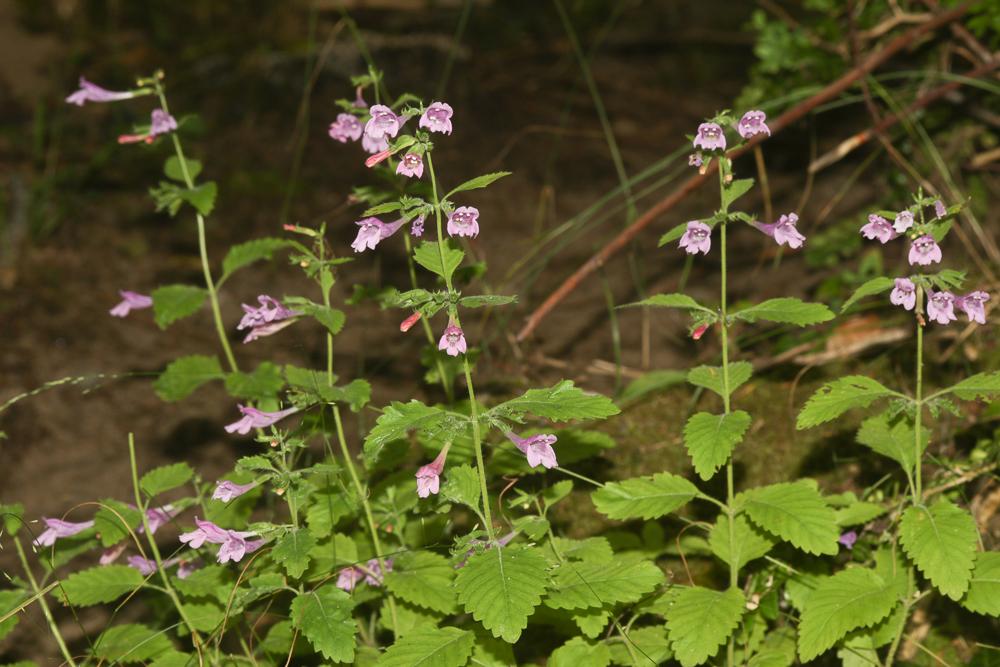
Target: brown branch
x,y
694,182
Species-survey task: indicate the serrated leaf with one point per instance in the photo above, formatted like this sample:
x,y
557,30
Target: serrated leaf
x,y
380,209
247,253
491,652
747,542
397,420
561,402
174,168
131,643
424,579
501,587
983,596
710,439
462,486
835,398
681,301
431,647
578,652
113,520
644,497
710,377
165,478
649,643
428,256
852,598
895,441
786,310
202,197
873,286
327,509
324,618
734,190
941,541
291,551
100,584
175,302
10,600
858,513
479,182
590,549
588,585
591,622
186,374
263,383
980,385
795,512
331,318
777,650
212,581
700,620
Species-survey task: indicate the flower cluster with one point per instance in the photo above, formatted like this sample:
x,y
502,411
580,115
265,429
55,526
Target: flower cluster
x,y
234,544
267,319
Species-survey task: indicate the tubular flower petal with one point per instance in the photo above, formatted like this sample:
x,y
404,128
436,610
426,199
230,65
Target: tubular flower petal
x,y
973,305
878,228
710,137
537,448
226,490
383,123
453,341
904,294
429,476
464,221
56,528
346,128
411,166
784,231
254,418
267,319
131,301
437,117
89,92
941,307
372,231
924,251
752,123
697,238
903,221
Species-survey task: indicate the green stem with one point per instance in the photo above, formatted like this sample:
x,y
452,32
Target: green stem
x,y
918,415
907,605
448,389
40,596
453,313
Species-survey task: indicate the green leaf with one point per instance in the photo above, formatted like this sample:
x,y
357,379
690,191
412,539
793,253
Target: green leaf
x,y
649,643
852,598
113,520
777,650
324,617
734,190
201,197
648,383
983,596
186,374
644,497
873,286
980,385
941,541
11,517
10,600
175,302
682,301
486,300
795,512
100,584
423,578
212,581
397,420
249,252
700,620
835,398
710,377
591,622
892,440
591,549
858,513
710,439
173,169
462,486
672,235
428,256
131,644
380,209
501,587
786,310
263,383
165,478
561,402
748,542
326,511
430,647
491,652
291,551
587,585
578,652
478,182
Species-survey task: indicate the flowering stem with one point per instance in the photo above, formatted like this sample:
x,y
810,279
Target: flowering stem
x,y
917,417
453,313
40,595
448,389
213,296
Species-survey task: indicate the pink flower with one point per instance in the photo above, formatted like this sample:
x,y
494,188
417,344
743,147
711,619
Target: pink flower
x,y
159,516
346,128
452,341
973,305
939,209
131,301
56,528
226,490
753,122
417,227
710,137
538,449
254,418
411,166
784,231
145,566
904,294
187,567
205,532
267,319
372,231
408,323
374,145
359,98
111,555
349,577
375,575
848,539
695,159
383,122
381,156
429,476
924,251
878,228
437,117
464,221
941,307
903,221
234,543
89,92
697,238
160,122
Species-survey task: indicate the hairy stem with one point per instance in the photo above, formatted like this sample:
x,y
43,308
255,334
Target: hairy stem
x,y
448,389
918,414
40,596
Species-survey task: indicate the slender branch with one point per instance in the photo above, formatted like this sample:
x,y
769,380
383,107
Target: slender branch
x,y
40,596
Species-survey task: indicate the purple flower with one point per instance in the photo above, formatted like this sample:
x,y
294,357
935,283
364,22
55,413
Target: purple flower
x,y
359,98
89,92
131,301
697,238
452,340
417,228
372,231
412,166
695,159
346,128
710,137
752,123
437,117
374,575
145,566
972,305
236,546
429,476
374,146
941,307
205,532
878,228
538,449
784,231
187,567
267,319
383,122
226,490
903,221
464,221
159,516
56,528
904,294
254,418
161,122
848,539
349,577
939,209
111,555
924,251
